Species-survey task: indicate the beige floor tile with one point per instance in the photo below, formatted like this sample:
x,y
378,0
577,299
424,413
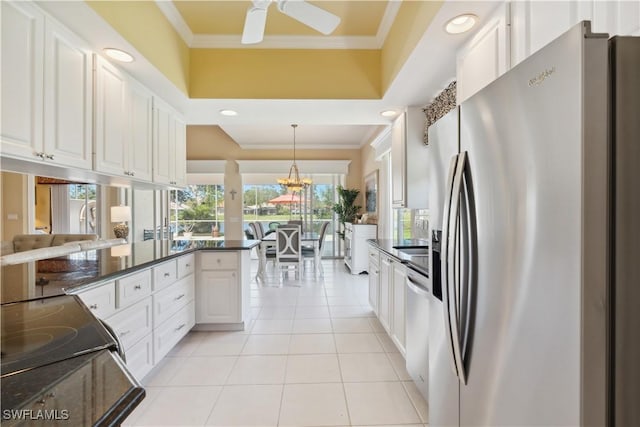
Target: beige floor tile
x,y
358,343
350,326
205,370
379,403
386,342
162,373
340,311
318,300
362,367
220,344
180,406
283,312
312,312
267,344
258,370
313,405
376,325
419,403
272,326
247,405
313,368
312,326
187,345
400,366
312,344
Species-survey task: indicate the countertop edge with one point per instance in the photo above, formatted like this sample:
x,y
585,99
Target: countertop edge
x,y
388,249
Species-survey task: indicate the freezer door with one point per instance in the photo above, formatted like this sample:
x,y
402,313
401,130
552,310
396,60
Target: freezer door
x,y
524,137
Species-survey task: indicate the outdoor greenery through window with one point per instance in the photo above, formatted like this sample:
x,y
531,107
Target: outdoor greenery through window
x,y
198,210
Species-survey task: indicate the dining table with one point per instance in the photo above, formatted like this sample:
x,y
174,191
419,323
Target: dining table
x,y
310,238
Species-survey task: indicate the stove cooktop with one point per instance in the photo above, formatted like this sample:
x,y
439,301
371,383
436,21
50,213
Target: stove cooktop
x,y
44,331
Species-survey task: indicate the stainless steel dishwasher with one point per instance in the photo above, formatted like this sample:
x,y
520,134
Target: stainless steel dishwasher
x,y
417,340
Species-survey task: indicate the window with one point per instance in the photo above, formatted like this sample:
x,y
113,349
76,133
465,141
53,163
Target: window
x,y
197,212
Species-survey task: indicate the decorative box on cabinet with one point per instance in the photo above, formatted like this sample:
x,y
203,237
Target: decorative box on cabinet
x,y
408,157
356,255
47,89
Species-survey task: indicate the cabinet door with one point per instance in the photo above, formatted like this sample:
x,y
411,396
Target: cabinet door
x,y
398,162
22,79
217,296
486,56
398,326
374,285
111,119
140,155
180,156
68,98
163,142
384,299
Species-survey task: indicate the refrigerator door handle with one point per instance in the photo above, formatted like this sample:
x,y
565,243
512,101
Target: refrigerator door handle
x,y
453,253
446,243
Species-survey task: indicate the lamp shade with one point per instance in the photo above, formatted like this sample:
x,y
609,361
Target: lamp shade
x,y
120,213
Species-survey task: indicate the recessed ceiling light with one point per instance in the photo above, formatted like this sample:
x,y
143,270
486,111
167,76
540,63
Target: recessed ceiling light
x,y
117,54
228,112
388,113
461,23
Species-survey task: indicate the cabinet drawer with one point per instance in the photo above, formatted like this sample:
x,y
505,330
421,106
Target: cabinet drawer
x,y
374,256
219,261
140,357
170,332
164,274
186,265
101,300
169,300
133,323
133,288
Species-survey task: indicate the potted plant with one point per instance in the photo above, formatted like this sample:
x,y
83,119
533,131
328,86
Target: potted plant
x,y
346,209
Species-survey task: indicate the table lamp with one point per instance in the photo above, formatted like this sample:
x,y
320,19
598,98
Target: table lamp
x,y
121,214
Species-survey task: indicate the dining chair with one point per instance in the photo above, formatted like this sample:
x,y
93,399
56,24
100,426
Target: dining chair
x,y
310,251
265,253
288,249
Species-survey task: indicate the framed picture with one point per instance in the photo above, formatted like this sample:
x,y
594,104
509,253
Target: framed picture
x,y
371,194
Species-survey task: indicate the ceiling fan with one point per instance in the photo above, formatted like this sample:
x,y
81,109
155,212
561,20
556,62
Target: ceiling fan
x,y
300,10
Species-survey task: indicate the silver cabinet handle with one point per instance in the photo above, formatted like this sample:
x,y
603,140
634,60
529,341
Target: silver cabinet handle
x,y
49,156
40,154
179,297
180,327
137,287
125,333
187,265
132,173
167,274
93,306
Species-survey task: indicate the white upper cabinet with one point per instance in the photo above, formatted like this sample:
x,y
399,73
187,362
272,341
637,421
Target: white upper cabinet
x,y
169,155
486,56
111,119
408,159
22,79
123,109
47,89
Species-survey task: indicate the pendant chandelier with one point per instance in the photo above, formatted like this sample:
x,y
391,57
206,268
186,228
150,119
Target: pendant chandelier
x,y
293,182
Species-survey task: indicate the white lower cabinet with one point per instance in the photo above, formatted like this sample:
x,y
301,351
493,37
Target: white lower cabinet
x,y
219,301
398,322
374,278
167,335
149,310
384,299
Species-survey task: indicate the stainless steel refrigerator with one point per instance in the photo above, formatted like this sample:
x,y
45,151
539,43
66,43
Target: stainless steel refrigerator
x,y
535,211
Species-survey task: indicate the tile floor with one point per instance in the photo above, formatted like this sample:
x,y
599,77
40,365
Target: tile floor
x,y
315,355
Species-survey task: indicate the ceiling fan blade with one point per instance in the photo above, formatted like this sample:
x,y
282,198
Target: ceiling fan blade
x,y
310,15
254,24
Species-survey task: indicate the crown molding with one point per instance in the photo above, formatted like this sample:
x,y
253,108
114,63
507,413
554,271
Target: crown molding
x,y
382,143
299,147
175,18
389,16
207,41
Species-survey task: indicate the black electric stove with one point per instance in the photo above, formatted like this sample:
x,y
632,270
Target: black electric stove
x,y
41,332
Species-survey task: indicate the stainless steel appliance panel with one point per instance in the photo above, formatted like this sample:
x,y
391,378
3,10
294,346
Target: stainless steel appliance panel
x,y
417,340
626,253
523,136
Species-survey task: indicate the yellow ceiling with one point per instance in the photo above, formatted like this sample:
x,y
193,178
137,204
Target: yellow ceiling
x,y
358,17
270,73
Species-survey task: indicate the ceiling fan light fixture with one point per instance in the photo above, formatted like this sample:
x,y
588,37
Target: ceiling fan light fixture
x,y
461,23
228,113
293,182
118,54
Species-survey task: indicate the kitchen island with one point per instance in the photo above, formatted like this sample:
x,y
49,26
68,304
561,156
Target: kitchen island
x,y
145,291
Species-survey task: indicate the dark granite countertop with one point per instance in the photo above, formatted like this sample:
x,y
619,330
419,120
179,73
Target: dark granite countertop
x,y
420,263
55,276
